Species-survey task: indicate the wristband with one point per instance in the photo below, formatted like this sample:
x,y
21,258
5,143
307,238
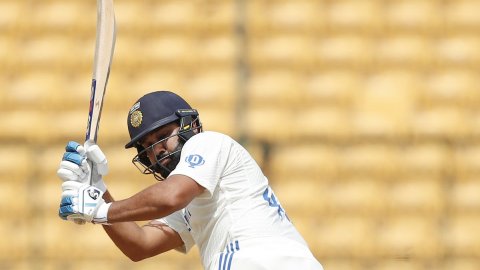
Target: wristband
x,y
101,185
101,217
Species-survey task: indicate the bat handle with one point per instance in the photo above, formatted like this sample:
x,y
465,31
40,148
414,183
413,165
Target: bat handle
x,y
88,143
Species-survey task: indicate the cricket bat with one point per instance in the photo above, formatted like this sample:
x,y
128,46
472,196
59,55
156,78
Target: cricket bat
x,y
104,48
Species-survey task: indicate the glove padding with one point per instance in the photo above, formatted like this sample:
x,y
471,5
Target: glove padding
x,y
85,164
82,203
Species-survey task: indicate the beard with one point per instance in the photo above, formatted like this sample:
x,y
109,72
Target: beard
x,y
174,156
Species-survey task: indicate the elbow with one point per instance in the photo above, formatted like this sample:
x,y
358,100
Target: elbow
x,y
138,256
135,256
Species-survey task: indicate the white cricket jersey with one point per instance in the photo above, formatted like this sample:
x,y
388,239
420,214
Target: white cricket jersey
x,y
238,209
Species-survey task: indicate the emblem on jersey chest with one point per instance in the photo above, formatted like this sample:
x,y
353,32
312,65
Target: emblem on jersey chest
x,y
194,160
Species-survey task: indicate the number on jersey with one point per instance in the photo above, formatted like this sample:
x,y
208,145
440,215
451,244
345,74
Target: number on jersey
x,y
269,196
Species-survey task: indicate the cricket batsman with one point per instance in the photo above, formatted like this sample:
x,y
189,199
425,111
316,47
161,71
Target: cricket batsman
x,y
211,194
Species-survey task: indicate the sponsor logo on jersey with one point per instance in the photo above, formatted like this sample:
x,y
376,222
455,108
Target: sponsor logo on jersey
x,y
194,160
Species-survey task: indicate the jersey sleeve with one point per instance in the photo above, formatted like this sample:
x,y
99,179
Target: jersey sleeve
x,y
177,223
203,159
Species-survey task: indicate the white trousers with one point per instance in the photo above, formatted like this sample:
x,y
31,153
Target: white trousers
x,y
265,254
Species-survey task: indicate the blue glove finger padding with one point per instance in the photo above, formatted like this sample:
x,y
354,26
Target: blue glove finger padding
x,y
65,208
73,157
72,146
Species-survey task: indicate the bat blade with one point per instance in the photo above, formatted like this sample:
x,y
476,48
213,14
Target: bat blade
x,y
104,48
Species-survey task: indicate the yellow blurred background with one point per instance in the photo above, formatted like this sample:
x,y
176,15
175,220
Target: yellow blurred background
x,y
363,113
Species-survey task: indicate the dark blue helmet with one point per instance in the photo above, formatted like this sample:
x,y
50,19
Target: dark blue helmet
x,y
153,111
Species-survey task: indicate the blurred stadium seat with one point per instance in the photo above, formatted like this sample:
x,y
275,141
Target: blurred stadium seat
x,y
408,50
54,51
15,193
461,236
171,15
384,109
275,87
461,263
442,123
63,16
467,161
14,163
400,264
174,49
464,195
269,124
341,264
328,123
284,49
20,125
355,16
451,87
461,15
220,120
55,231
338,87
348,51
413,16
411,236
217,49
356,196
370,159
17,229
24,90
8,47
10,11
345,236
298,194
416,195
213,87
130,18
284,16
317,162
427,159
459,50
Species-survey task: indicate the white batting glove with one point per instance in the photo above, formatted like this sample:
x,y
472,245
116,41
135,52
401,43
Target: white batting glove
x,y
85,164
83,203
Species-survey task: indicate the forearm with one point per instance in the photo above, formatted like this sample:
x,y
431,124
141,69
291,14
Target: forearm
x,y
156,201
152,203
127,236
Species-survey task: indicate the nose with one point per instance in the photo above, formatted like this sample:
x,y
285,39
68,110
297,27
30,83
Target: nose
x,y
155,151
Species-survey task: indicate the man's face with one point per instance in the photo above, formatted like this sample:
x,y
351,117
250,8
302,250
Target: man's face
x,y
163,148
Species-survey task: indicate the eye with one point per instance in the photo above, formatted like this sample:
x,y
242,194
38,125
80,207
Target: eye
x,y
162,137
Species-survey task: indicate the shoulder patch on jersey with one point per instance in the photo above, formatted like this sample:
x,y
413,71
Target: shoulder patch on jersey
x,y
194,160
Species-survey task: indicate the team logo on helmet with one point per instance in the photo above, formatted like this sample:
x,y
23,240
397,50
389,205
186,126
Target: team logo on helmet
x,y
136,118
